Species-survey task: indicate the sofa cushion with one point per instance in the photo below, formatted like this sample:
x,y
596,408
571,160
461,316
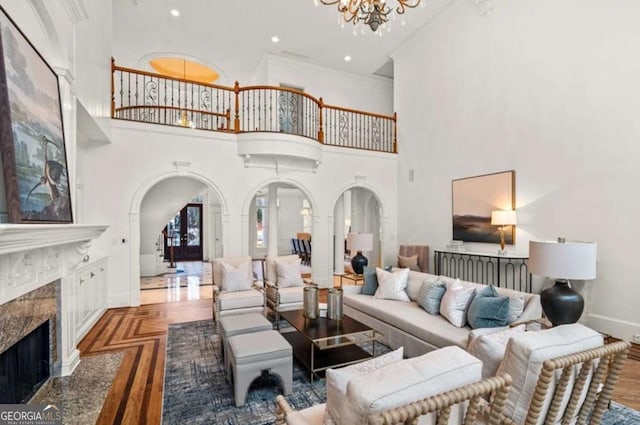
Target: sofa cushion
x,y
409,380
410,263
241,299
527,351
488,310
415,281
516,307
455,301
337,380
391,285
411,318
270,265
371,279
430,296
217,267
490,348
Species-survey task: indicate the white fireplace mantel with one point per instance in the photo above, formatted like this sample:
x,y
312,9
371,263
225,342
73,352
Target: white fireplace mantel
x,y
33,255
24,237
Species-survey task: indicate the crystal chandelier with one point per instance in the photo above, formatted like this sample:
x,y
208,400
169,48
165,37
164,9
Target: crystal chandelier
x,y
374,13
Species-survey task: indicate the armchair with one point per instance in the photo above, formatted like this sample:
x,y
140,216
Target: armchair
x,y
234,289
284,284
443,384
560,375
406,254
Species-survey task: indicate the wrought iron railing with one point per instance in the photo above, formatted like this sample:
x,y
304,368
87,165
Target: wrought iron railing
x,y
153,98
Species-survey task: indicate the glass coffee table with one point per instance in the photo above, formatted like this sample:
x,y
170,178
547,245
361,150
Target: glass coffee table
x,y
321,343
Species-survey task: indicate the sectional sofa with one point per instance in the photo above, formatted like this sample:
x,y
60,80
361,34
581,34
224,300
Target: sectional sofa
x,y
406,324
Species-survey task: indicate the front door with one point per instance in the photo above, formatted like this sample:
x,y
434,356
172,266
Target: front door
x,y
183,235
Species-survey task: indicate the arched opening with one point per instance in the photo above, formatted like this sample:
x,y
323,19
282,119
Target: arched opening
x,y
358,211
281,223
177,231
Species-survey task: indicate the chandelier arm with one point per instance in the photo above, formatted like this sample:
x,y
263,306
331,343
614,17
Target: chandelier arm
x,y
402,4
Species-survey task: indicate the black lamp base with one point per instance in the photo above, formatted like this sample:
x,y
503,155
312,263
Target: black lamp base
x,y
358,262
561,304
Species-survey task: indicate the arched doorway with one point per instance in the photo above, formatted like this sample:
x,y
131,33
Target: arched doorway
x,y
357,210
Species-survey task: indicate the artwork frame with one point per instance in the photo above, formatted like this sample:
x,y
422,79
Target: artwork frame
x,y
473,199
32,144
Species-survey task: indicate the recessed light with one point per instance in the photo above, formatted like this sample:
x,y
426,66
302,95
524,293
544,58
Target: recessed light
x,y
347,58
275,39
175,12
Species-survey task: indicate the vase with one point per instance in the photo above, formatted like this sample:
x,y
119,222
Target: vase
x,y
310,302
334,304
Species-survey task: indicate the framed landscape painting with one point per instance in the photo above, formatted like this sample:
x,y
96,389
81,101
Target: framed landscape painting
x,y
473,200
32,145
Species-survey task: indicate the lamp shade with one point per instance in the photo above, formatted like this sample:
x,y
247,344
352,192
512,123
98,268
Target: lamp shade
x,y
360,241
563,260
503,217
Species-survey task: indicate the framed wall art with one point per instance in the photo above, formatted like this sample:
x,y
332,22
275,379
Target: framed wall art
x,y
473,200
32,145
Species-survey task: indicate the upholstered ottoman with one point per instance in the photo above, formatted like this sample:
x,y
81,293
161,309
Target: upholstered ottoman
x,y
240,324
250,354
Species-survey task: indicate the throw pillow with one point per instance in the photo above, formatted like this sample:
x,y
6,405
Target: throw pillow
x,y
516,307
410,263
488,310
490,348
236,278
454,303
289,273
430,296
371,280
337,380
391,285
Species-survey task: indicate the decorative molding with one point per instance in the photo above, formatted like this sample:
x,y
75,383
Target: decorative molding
x,y
25,237
76,10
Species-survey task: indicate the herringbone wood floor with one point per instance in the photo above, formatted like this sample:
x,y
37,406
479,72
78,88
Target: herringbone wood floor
x,y
141,333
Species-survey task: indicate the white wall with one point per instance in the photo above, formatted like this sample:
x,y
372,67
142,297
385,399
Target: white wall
x,y
145,154
549,89
373,94
290,221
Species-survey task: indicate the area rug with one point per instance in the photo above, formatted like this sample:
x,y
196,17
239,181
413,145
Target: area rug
x,y
196,391
186,274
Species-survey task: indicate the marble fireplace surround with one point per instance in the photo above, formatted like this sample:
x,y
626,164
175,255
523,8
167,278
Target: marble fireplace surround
x,y
33,256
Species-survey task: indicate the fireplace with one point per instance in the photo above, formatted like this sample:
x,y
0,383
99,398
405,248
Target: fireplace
x,y
25,366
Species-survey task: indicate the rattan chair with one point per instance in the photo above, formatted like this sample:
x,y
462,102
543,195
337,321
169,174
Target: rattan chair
x,y
440,405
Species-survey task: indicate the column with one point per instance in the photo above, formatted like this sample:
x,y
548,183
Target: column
x,y
338,236
272,250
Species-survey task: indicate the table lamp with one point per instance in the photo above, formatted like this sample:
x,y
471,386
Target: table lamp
x,y
503,218
563,261
359,242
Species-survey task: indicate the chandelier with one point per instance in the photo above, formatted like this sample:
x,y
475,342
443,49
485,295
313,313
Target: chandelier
x,y
374,13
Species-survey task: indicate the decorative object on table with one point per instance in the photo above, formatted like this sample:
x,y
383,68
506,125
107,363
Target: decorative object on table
x,y
374,13
334,304
457,246
562,260
473,200
32,145
359,242
503,218
310,302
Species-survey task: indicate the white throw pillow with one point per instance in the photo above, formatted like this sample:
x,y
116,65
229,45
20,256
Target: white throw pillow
x,y
391,285
337,380
490,348
455,302
289,273
236,278
516,307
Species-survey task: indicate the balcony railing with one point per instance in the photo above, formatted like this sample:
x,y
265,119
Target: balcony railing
x,y
153,98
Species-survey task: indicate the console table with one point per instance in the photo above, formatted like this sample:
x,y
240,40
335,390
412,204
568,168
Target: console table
x,y
507,271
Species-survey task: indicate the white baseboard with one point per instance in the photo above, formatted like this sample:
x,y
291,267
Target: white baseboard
x,y
71,363
615,327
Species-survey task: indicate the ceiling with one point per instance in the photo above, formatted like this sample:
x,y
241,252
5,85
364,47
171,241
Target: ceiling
x,y
231,36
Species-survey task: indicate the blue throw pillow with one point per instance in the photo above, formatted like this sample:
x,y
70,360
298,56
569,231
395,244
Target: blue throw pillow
x,y
488,310
430,295
371,280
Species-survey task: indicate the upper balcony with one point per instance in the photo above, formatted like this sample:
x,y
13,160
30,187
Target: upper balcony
x,y
153,98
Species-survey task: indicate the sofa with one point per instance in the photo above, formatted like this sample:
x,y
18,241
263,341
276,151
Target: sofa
x,y
406,324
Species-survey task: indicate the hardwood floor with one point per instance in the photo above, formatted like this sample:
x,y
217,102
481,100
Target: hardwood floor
x,y
141,333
